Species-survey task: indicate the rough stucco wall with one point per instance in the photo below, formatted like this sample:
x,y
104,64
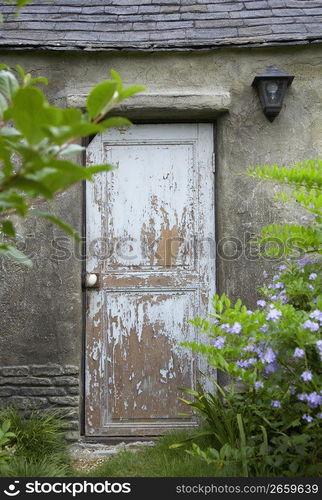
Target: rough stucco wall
x,y
41,308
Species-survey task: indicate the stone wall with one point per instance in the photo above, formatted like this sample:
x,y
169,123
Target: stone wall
x,y
42,387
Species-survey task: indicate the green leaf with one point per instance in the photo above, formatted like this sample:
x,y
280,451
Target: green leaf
x,y
21,72
116,76
13,201
131,91
71,116
3,105
15,254
30,186
58,222
85,129
116,121
8,84
95,169
100,99
21,3
72,149
6,426
8,228
31,113
39,79
319,301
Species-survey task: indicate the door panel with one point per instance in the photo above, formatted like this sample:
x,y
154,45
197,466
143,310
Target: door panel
x,y
150,237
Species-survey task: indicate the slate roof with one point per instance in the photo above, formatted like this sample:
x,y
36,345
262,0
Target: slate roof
x,y
160,24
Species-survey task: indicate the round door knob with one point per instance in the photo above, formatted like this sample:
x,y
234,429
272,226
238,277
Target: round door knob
x,y
91,280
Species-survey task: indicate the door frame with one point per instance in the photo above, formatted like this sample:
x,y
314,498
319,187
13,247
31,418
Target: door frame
x,y
85,143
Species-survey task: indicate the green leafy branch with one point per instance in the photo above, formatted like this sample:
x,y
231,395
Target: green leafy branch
x,y
37,140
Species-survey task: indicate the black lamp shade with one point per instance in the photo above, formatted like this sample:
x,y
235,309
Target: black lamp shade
x,y
271,87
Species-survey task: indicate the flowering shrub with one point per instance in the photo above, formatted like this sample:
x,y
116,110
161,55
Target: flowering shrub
x,y
275,351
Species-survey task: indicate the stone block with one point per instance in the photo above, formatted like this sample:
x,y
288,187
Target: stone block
x,y
41,391
72,390
70,413
7,391
66,381
46,370
72,425
14,371
72,436
25,403
24,381
71,370
64,400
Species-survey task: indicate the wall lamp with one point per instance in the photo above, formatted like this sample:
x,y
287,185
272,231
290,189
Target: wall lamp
x,y
271,87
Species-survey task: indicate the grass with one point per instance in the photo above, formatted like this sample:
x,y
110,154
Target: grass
x,y
39,447
40,450
156,461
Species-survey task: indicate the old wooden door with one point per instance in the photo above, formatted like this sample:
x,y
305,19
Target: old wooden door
x,y
150,237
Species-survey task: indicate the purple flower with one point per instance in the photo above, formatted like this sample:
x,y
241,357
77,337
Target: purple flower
x,y
292,390
313,276
273,315
275,403
304,217
225,327
271,367
219,342
236,328
304,262
314,399
264,328
308,418
317,314
249,312
276,286
245,363
282,267
307,376
250,348
298,353
283,298
311,325
269,356
258,385
302,397
319,415
276,277
242,363
261,303
319,346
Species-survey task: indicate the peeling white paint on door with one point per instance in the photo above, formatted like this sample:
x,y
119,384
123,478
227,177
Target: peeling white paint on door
x,y
150,237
